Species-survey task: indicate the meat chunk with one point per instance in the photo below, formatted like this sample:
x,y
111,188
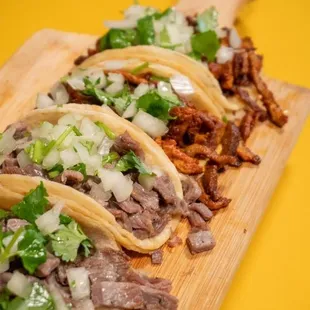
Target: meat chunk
x,y
157,257
230,140
164,186
248,123
191,190
130,207
247,155
97,192
125,143
202,210
174,241
196,220
148,199
209,181
15,224
200,241
131,78
70,177
10,162
45,269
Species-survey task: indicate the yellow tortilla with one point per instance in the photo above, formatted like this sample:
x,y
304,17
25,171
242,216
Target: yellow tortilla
x,y
197,72
84,206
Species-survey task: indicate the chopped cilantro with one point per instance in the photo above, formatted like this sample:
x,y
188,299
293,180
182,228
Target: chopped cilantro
x,y
157,78
55,171
208,20
194,55
4,299
109,158
140,68
88,144
119,38
4,214
104,43
33,205
67,240
106,129
164,37
64,219
225,119
81,167
159,15
146,30
206,44
131,161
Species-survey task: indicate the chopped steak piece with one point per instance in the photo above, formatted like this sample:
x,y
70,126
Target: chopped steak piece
x,y
200,241
202,209
45,269
12,170
222,202
157,257
196,220
148,199
248,123
34,171
209,181
247,155
230,140
76,96
70,177
124,143
61,274
14,224
129,206
159,223
164,186
97,193
10,162
20,130
191,190
174,241
131,78
142,221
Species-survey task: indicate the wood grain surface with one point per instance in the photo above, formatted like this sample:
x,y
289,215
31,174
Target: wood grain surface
x,y
200,281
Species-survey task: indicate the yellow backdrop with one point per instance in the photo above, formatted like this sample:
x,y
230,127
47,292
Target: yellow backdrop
x,y
275,272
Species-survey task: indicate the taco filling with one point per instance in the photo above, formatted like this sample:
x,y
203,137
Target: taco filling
x,y
92,159
47,262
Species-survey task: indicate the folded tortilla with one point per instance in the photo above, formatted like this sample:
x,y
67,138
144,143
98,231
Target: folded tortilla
x,y
83,205
208,94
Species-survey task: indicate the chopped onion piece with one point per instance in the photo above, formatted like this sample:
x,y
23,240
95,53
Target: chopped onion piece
x,y
234,39
19,285
48,222
150,124
23,159
123,188
8,239
164,88
121,24
88,128
76,82
114,88
114,64
7,142
141,90
147,181
5,266
69,158
109,178
224,54
60,94
51,159
60,303
105,146
131,110
116,77
70,119
43,131
44,101
79,283
181,85
98,75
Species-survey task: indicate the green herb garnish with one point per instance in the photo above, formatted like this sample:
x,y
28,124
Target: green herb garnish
x,y
106,129
146,30
109,158
81,167
208,20
140,68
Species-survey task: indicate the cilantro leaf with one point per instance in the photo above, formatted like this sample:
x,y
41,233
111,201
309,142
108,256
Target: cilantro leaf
x,y
4,214
39,298
109,158
104,43
131,161
194,55
146,30
64,219
119,38
31,250
206,44
156,105
67,240
81,167
159,15
208,20
106,129
33,205
4,299
55,171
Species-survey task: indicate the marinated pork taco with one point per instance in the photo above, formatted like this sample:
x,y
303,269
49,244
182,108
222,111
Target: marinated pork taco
x,y
112,172
53,258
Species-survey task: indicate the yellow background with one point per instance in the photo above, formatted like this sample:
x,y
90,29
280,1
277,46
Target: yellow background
x,y
275,272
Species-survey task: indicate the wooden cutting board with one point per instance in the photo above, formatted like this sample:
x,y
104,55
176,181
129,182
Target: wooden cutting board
x,y
201,281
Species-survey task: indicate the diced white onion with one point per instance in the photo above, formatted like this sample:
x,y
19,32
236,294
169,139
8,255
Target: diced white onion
x,y
114,64
88,128
114,88
147,181
131,110
109,178
82,152
116,77
43,131
79,283
23,159
224,54
141,90
234,39
43,101
60,94
120,24
48,222
8,239
19,285
150,124
98,75
7,142
59,302
76,82
181,85
69,158
123,189
105,146
70,119
5,266
51,159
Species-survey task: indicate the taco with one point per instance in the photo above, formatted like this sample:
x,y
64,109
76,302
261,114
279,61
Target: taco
x,y
109,170
54,258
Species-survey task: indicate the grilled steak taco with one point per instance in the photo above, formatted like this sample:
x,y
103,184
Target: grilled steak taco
x,y
110,171
57,259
